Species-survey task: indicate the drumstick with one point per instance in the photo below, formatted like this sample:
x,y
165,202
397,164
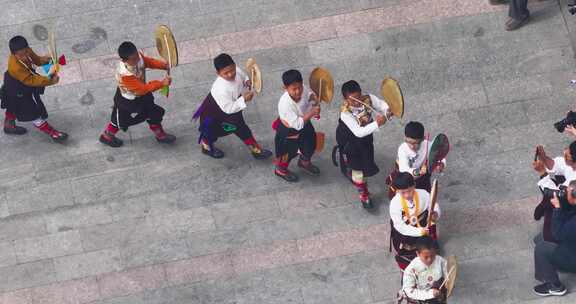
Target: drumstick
x,y
252,79
366,105
168,52
426,155
319,96
536,155
448,276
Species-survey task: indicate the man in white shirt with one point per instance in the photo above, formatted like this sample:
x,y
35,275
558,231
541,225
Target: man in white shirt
x,y
294,131
423,277
409,218
221,111
412,158
356,125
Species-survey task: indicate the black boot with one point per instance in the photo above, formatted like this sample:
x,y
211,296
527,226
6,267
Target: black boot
x,y
11,128
214,152
111,140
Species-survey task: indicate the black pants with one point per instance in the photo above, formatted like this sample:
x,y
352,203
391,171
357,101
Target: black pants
x,y
518,9
127,112
305,142
212,129
545,269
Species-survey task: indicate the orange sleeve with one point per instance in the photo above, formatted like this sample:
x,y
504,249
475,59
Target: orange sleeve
x,y
156,64
22,74
139,88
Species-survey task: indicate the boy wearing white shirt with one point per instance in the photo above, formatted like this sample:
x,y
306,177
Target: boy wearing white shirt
x,y
294,131
409,218
221,111
412,158
356,125
424,276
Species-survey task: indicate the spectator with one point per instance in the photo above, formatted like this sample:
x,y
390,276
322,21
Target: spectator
x,y
518,12
549,257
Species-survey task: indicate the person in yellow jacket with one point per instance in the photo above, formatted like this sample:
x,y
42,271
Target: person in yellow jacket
x,y
20,93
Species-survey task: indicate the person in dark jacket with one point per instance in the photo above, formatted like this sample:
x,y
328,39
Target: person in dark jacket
x,y
549,258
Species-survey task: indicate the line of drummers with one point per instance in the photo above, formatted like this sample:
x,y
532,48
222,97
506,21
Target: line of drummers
x,y
427,277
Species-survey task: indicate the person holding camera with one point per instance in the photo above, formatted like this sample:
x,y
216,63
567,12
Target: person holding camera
x,y
554,174
549,258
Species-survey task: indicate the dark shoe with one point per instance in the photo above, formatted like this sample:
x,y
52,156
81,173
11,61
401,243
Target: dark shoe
x,y
549,289
287,176
309,167
59,137
111,141
367,204
514,24
214,153
15,130
166,139
263,154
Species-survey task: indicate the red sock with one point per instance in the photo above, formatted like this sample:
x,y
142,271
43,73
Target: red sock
x,y
281,167
47,128
110,131
10,120
251,142
10,116
362,190
158,130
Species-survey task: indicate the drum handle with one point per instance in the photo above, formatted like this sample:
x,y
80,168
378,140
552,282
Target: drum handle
x,y
446,280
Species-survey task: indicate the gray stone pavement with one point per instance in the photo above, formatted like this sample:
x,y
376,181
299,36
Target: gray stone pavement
x,y
83,213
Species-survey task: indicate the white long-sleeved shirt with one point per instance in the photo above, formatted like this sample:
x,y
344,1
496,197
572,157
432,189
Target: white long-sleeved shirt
x,y
410,160
228,94
418,278
561,168
399,220
291,113
354,125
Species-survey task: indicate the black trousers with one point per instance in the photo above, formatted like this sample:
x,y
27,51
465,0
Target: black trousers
x,y
545,269
518,9
305,142
127,112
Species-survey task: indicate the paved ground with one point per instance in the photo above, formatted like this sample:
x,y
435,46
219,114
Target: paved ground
x,y
83,223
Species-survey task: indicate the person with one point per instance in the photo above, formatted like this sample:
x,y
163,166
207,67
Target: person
x,y
412,158
355,139
220,113
409,218
544,208
518,13
295,133
134,101
22,88
549,258
423,277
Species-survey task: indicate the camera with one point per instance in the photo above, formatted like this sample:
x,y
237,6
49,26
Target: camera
x,y
572,6
569,120
562,195
561,192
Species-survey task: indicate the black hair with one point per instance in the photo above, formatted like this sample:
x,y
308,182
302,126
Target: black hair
x,y
425,243
350,87
17,43
126,49
291,76
403,180
414,130
223,60
572,149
